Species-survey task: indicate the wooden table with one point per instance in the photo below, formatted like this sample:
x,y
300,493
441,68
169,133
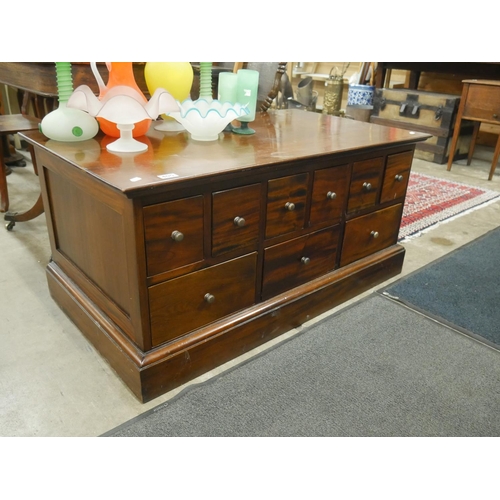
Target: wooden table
x,y
467,69
40,77
178,259
480,102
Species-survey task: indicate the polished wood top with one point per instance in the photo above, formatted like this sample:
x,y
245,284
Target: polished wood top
x,y
495,83
281,136
11,124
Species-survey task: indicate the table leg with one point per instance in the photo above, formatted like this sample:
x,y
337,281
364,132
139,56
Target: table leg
x,y
473,140
496,155
380,76
414,79
454,142
13,217
4,194
34,211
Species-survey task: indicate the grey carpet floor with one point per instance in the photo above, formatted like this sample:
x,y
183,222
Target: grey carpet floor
x,y
462,288
375,368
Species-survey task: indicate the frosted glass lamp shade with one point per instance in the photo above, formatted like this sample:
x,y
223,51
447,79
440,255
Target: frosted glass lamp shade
x,y
69,125
177,79
123,106
66,124
228,87
246,94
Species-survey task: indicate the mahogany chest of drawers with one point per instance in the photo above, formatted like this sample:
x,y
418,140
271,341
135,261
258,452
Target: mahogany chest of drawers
x,y
176,260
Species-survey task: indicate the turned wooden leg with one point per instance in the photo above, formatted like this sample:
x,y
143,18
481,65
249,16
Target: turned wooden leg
x,y
496,155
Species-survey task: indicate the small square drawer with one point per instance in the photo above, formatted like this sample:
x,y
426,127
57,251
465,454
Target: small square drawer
x,y
397,174
183,304
330,189
297,261
370,233
173,234
286,204
483,103
365,184
235,219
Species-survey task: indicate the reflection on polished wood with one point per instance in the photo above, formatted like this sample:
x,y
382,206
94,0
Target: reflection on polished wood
x,y
280,137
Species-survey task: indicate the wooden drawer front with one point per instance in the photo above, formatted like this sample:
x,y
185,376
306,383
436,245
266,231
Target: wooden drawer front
x,y
365,184
294,262
194,300
397,174
483,102
286,202
330,189
370,233
235,219
174,234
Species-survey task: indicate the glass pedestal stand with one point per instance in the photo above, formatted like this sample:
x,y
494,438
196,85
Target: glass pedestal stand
x,y
243,129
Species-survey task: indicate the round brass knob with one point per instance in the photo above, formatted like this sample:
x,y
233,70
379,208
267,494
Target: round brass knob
x,y
177,236
331,195
374,234
495,116
290,206
305,260
209,298
239,221
367,186
399,178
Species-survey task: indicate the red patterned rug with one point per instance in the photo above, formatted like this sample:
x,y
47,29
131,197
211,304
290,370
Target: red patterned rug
x,y
430,201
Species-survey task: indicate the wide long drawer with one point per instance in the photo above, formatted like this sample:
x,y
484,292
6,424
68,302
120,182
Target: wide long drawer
x,y
297,261
191,301
370,233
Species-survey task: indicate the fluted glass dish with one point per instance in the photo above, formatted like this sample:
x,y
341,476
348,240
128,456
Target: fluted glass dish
x,y
123,106
205,119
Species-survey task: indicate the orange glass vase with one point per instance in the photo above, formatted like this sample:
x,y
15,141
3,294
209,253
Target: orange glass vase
x,y
121,73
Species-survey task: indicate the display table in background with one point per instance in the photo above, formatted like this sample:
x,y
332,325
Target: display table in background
x,y
480,103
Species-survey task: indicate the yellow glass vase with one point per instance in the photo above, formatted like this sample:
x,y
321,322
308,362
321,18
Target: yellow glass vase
x,y
176,78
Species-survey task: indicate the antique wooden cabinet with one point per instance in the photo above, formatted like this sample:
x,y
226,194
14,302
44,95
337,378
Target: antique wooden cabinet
x,y
429,112
178,259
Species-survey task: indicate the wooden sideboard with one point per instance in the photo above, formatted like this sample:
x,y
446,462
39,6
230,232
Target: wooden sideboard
x,y
178,259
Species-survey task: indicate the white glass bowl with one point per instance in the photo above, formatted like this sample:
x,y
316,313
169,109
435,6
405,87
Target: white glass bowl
x,y
205,119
